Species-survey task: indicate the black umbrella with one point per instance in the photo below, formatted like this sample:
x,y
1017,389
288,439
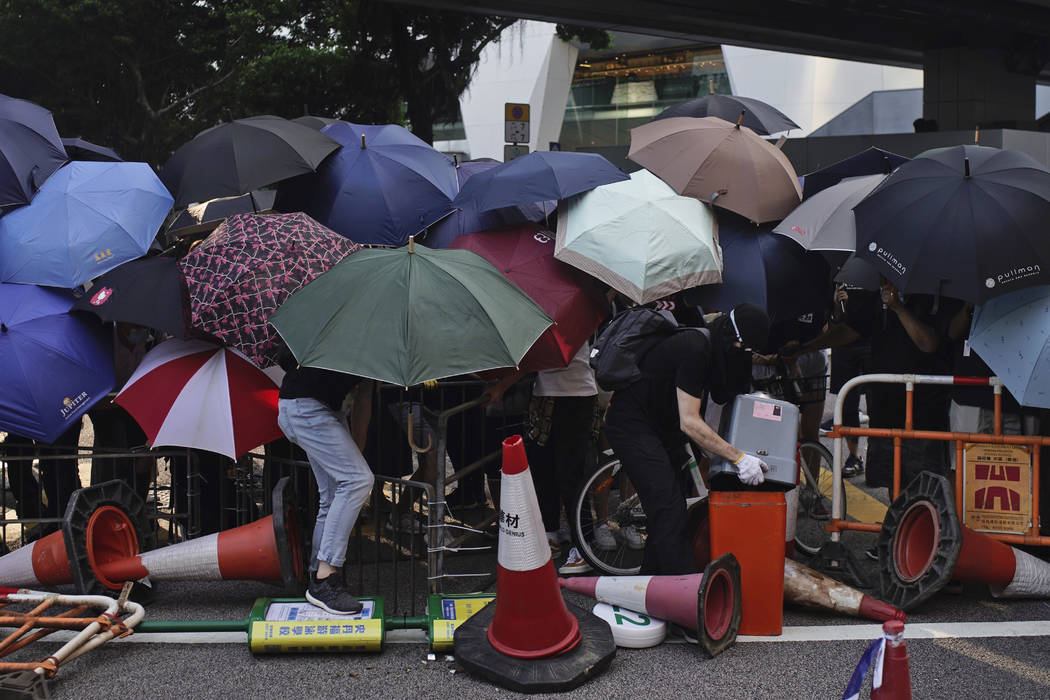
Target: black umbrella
x,y
870,161
314,122
82,149
969,220
206,216
760,117
243,155
30,150
149,292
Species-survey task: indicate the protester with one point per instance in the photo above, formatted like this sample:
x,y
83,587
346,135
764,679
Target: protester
x,y
559,436
847,362
309,415
649,422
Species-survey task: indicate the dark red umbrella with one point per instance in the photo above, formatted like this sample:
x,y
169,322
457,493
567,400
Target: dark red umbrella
x,y
525,255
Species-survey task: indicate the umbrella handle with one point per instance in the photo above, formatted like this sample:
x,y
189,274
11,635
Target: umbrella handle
x,y
412,443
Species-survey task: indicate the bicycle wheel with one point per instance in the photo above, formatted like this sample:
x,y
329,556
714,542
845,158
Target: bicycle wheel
x,y
814,497
608,523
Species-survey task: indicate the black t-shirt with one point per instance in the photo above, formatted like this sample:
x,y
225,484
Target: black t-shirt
x,y
681,361
328,387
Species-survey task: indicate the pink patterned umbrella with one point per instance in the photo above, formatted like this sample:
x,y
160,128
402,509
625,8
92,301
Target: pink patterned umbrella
x,y
247,267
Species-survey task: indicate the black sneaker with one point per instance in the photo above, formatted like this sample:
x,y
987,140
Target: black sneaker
x,y
330,594
852,467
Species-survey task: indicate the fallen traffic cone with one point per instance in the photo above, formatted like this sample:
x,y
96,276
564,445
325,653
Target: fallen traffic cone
x,y
707,603
809,588
922,546
891,679
529,639
100,521
265,550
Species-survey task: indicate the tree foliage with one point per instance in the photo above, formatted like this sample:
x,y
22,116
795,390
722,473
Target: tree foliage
x,y
144,76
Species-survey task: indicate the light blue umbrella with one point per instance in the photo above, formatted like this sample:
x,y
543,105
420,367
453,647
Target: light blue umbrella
x,y
87,218
640,237
1011,333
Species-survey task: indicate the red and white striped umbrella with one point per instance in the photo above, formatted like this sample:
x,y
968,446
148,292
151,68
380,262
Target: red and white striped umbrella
x,y
190,393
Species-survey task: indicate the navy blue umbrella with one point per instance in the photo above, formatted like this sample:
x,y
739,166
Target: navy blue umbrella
x,y
30,150
54,365
149,292
870,161
968,220
384,185
764,268
537,177
82,149
469,220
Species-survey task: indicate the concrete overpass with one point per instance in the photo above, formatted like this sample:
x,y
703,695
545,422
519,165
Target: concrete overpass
x,y
981,58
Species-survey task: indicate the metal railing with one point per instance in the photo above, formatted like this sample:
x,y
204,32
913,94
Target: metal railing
x,y
841,432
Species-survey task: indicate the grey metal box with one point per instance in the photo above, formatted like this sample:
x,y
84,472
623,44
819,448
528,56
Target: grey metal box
x,y
764,427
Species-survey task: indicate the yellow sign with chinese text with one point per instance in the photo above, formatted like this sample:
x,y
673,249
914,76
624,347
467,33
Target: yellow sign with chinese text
x,y
997,488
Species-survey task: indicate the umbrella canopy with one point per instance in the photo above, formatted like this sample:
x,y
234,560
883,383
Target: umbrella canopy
x,y
758,116
205,216
525,256
30,150
410,315
467,218
384,185
314,122
972,219
54,365
243,155
248,267
640,238
150,292
537,177
1011,333
88,218
870,161
82,149
765,269
715,161
189,393
825,221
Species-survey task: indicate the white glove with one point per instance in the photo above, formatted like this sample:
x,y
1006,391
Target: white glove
x,y
750,469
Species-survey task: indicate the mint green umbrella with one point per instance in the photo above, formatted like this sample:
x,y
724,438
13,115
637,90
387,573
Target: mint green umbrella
x,y
410,314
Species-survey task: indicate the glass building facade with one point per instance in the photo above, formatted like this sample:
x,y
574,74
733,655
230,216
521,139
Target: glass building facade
x,y
611,94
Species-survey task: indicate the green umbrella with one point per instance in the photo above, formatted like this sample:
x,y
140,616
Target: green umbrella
x,y
410,314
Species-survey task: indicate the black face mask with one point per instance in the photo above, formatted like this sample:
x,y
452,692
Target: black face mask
x,y
730,366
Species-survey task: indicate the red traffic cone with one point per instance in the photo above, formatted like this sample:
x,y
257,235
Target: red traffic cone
x,y
265,550
891,679
529,624
923,546
708,603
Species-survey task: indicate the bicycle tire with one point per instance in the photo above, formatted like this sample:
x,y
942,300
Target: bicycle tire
x,y
600,501
814,498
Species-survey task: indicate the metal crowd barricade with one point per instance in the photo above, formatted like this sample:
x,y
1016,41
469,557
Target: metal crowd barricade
x,y
173,508
840,432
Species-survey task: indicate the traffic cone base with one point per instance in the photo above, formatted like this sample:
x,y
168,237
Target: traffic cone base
x,y
529,639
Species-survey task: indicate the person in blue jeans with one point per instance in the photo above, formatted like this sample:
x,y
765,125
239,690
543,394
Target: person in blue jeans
x,y
310,415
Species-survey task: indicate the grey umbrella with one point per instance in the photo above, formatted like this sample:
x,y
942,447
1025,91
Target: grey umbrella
x,y
758,116
245,154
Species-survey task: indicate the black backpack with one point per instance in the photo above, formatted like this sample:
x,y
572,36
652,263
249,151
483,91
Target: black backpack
x,y
623,343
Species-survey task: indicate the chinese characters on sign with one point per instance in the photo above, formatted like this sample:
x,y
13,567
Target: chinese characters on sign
x,y
998,488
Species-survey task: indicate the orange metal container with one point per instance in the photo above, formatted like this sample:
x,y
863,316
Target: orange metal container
x,y
751,525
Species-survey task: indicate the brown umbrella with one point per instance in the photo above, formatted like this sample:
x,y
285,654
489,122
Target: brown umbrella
x,y
719,162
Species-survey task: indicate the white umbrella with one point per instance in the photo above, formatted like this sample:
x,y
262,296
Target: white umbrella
x,y
640,238
825,222
195,394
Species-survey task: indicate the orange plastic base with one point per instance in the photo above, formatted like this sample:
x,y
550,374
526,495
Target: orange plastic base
x,y
751,525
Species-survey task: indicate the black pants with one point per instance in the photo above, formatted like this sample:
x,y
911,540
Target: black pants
x,y
653,461
59,478
560,464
